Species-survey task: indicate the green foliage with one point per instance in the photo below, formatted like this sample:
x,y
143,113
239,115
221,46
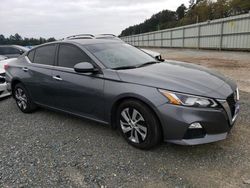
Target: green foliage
x,y
158,21
198,11
239,6
181,11
18,40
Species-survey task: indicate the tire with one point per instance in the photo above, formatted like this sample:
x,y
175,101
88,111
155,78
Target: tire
x,y
138,124
23,99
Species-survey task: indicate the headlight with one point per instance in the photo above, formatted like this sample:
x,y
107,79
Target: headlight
x,y
188,100
237,94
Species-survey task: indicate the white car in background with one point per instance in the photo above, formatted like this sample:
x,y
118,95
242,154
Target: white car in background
x,y
3,57
3,85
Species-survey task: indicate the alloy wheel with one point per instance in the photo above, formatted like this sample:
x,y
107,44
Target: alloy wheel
x,y
21,98
133,125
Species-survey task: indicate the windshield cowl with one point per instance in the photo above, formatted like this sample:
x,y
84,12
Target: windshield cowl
x,y
137,66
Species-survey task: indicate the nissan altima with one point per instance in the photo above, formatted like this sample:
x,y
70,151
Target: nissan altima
x,y
115,83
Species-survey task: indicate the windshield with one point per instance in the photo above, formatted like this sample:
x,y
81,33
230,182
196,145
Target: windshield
x,y
115,55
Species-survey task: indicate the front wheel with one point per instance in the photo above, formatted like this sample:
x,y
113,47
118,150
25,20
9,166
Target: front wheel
x,y
23,100
138,124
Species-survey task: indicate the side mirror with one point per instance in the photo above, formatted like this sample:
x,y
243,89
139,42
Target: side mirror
x,y
159,58
21,52
85,67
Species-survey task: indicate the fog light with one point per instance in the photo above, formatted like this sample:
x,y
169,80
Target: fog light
x,y
195,126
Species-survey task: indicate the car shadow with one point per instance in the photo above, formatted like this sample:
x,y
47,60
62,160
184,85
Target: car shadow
x,y
5,98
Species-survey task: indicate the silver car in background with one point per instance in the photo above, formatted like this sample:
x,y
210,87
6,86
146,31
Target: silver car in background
x,y
3,57
3,86
12,51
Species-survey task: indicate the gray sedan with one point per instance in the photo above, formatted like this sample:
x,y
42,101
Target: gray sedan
x,y
115,83
12,51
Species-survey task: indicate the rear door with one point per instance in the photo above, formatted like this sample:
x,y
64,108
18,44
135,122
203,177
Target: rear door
x,y
78,93
39,73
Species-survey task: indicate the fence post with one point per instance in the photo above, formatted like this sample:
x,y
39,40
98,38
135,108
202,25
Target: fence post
x,y
139,40
171,38
148,40
199,36
161,38
221,34
154,38
183,37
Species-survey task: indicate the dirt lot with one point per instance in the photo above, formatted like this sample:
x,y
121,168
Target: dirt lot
x,y
50,149
236,65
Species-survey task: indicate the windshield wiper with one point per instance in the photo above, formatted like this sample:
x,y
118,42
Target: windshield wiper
x,y
125,67
148,63
137,66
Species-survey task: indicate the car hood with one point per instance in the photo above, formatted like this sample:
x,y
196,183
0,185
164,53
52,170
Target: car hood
x,y
181,77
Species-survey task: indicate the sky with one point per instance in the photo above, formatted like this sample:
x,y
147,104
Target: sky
x,y
61,18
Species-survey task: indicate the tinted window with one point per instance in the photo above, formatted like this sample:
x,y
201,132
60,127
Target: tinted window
x,y
31,55
1,51
70,55
9,50
45,55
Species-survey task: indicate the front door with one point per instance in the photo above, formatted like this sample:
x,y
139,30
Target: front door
x,y
78,93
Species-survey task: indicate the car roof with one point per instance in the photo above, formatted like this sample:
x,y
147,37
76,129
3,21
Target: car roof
x,y
84,42
92,41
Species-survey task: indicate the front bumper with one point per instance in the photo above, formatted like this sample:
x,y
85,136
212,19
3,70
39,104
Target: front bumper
x,y
176,121
3,90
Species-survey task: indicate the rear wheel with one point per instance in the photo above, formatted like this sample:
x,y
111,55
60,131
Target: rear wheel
x,y
23,100
138,124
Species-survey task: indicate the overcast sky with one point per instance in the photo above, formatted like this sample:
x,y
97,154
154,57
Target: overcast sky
x,y
60,18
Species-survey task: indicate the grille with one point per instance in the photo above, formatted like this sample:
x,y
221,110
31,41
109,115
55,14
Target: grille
x,y
231,102
2,78
2,74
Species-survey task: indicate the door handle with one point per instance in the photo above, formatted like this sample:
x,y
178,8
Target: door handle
x,y
25,69
57,78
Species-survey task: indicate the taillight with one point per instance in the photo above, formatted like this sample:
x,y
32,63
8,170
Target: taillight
x,y
6,66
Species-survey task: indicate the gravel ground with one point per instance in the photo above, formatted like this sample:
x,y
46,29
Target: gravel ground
x,y
51,149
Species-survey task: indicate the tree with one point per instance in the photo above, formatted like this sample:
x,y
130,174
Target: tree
x,y
51,39
191,4
2,39
239,6
181,10
198,11
220,9
17,39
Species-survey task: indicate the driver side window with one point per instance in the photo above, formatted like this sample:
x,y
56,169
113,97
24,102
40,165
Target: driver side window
x,y
69,56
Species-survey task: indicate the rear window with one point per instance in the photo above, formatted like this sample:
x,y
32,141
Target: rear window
x,y
1,51
9,50
45,55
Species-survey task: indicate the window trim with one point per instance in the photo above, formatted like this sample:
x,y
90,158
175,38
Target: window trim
x,y
33,50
